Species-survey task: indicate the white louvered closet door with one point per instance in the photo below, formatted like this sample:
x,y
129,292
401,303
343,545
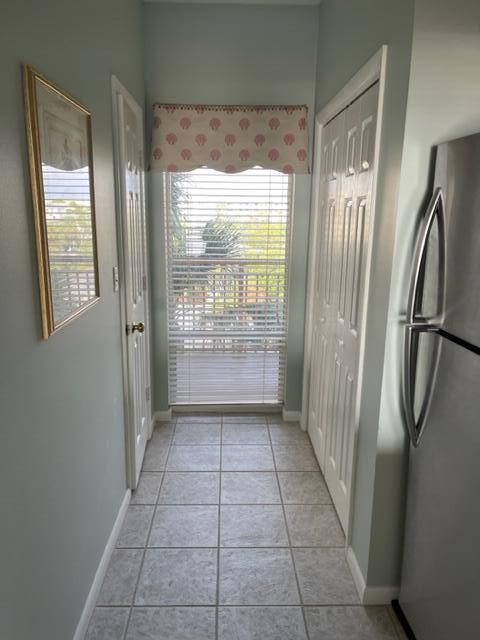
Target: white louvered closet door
x,y
227,277
340,278
324,309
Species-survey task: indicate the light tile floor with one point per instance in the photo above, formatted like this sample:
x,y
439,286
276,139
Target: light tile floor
x,y
231,534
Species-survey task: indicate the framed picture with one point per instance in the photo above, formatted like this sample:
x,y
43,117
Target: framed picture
x,y
59,136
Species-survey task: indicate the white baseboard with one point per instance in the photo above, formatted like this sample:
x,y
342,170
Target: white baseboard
x,y
291,416
356,573
380,595
369,595
162,416
92,597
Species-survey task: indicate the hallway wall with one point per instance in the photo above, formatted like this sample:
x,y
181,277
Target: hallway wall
x,y
234,54
61,409
431,96
443,104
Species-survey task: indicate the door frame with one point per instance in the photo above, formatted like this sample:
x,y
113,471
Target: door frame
x,y
372,71
119,89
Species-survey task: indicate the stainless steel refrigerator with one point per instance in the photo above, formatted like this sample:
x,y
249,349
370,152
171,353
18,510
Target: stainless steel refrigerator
x,y
440,588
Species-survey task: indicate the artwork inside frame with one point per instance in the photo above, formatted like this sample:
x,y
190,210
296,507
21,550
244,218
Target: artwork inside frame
x,y
59,138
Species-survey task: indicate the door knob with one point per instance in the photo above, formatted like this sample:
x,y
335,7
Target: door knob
x,y
139,326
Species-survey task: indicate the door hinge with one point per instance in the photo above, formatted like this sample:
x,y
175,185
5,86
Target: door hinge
x,y
147,393
144,282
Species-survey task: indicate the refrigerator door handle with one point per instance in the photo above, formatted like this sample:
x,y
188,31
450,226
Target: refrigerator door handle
x,y
416,324
435,209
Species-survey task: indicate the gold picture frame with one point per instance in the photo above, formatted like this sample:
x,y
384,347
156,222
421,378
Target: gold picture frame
x,y
59,138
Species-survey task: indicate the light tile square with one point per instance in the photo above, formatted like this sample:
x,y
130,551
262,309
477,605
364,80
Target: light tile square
x,y
136,525
261,623
252,526
147,489
276,418
257,577
245,434
247,458
314,526
120,580
303,487
163,431
294,458
197,433
108,623
244,418
172,623
194,458
178,577
204,418
289,433
324,577
185,526
156,455
357,623
190,487
248,487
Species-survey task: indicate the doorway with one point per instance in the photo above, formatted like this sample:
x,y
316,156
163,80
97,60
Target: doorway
x,y
133,275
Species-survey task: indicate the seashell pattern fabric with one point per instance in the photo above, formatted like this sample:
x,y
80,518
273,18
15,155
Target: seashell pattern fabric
x,y
229,138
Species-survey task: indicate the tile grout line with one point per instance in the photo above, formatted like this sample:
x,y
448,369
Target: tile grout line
x,y
148,537
219,512
243,444
231,504
243,606
307,635
277,546
148,471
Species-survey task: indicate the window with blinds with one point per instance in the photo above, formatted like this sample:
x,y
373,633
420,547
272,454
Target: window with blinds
x,y
227,278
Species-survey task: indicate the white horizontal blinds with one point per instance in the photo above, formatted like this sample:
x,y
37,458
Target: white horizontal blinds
x,y
227,258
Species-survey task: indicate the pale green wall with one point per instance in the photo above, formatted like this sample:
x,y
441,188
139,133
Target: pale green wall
x,y
350,32
231,55
443,104
61,415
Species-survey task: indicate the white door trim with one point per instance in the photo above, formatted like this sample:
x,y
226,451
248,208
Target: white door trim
x,y
372,71
119,89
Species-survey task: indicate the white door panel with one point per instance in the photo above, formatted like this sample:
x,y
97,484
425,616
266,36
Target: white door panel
x,y
137,370
344,222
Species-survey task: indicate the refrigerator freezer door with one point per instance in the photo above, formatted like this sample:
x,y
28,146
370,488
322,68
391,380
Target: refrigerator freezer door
x,y
458,173
441,565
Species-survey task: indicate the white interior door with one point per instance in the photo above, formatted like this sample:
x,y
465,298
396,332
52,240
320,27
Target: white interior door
x,y
130,152
339,282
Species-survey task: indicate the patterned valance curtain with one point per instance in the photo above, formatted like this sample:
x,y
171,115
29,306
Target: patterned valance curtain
x,y
229,139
